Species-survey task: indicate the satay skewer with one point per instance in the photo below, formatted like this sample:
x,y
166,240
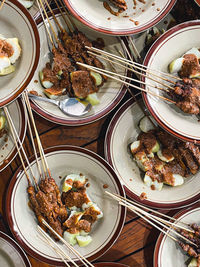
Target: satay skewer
x,y
132,70
111,75
134,64
81,258
152,219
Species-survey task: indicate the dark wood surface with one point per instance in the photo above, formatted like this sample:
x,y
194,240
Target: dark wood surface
x,y
135,245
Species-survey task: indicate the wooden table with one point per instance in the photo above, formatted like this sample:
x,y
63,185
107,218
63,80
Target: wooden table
x,y
135,245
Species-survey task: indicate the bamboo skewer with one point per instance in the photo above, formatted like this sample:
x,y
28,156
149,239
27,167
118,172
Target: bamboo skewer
x,y
2,3
32,140
42,154
129,39
52,244
131,69
150,217
82,259
134,64
104,72
54,17
52,29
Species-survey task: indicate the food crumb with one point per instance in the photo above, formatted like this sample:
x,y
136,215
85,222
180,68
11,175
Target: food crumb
x,y
153,4
2,156
60,177
81,174
6,145
158,9
6,139
108,18
131,179
88,185
36,81
105,186
143,196
33,92
126,16
153,187
6,161
165,22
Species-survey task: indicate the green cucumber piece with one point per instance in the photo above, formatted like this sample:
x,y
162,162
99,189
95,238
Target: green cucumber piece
x,y
93,99
97,78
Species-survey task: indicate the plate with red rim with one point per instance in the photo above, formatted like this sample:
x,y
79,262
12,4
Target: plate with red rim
x,y
17,22
109,264
172,44
167,253
198,2
122,131
7,147
93,14
11,253
64,160
110,94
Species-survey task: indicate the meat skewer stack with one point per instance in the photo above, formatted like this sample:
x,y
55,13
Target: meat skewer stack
x,y
63,75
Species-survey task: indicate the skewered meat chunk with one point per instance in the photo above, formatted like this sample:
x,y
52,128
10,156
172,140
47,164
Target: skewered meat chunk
x,y
190,251
192,165
187,95
166,139
82,84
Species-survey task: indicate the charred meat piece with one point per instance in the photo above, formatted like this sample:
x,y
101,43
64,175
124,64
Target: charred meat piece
x,y
189,250
148,140
61,62
166,140
194,150
75,198
190,66
189,161
187,95
82,84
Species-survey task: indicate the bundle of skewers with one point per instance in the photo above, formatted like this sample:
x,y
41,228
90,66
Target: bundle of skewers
x,y
187,236
44,195
184,91
62,75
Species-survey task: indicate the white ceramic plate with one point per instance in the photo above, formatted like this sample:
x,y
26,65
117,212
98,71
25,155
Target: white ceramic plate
x,y
109,94
169,46
7,147
123,130
63,161
93,14
15,21
11,255
167,253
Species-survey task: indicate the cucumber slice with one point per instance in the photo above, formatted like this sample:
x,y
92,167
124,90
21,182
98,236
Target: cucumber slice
x,y
50,96
83,233
142,161
163,158
70,238
26,3
176,65
178,180
2,122
93,99
66,187
46,84
156,148
194,51
97,78
193,263
84,241
7,70
135,146
145,125
149,182
87,205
